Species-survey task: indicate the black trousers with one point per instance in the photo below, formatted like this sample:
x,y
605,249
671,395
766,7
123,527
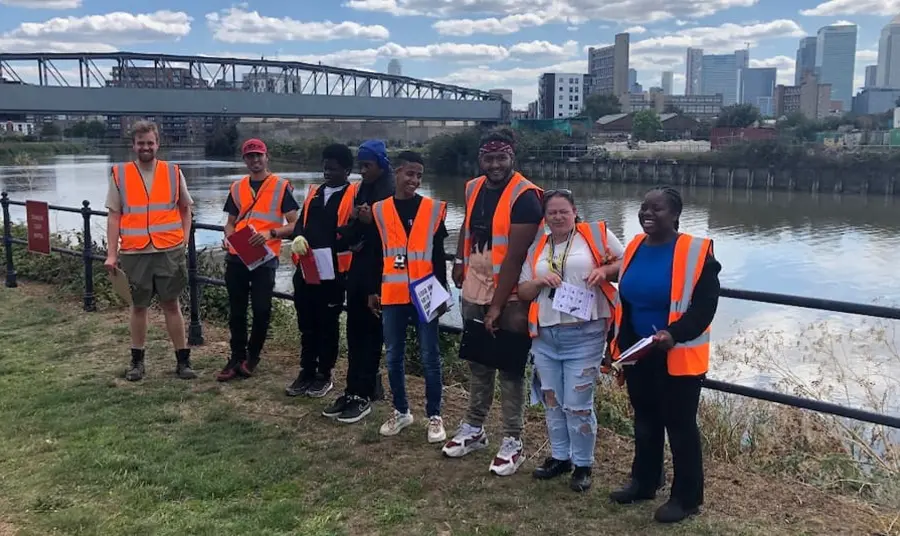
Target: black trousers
x,y
364,342
319,310
666,404
248,288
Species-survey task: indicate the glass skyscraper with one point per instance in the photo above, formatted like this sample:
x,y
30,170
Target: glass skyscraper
x,y
836,60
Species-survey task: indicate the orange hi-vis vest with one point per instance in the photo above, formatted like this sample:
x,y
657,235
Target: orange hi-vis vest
x,y
415,250
262,210
502,222
595,236
343,217
149,217
690,358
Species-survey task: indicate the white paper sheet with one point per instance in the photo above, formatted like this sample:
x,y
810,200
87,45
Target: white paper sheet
x,y
575,301
325,263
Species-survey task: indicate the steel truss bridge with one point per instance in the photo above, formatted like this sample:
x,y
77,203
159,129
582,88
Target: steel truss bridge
x,y
160,84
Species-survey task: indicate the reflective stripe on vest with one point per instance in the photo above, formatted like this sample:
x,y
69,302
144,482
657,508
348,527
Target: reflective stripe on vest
x,y
266,212
416,249
149,217
343,217
595,236
501,223
689,358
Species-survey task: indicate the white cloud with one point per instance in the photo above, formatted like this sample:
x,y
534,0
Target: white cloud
x,y
96,33
493,25
544,49
43,4
886,8
719,39
453,52
236,25
867,56
549,11
635,30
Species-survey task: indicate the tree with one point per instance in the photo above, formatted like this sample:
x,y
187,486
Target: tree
x,y
50,130
646,125
598,105
738,116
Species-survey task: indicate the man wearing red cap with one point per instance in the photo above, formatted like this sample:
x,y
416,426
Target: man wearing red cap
x,y
265,202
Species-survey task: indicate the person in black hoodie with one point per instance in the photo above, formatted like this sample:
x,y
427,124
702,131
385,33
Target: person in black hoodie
x,y
327,207
668,290
364,333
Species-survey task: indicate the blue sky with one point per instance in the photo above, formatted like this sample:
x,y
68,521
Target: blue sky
x,y
475,43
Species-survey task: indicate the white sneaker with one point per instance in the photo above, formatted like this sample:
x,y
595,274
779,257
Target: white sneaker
x,y
397,422
436,432
467,439
510,457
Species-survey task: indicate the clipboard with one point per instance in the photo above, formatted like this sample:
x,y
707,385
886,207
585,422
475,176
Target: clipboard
x,y
633,354
504,350
120,285
252,256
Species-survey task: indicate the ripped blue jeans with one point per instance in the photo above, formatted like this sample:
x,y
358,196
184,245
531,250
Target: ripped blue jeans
x,y
566,367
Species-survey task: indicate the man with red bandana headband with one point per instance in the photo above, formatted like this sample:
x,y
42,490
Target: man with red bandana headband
x,y
503,214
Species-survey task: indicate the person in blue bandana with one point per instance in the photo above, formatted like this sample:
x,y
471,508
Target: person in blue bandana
x,y
364,333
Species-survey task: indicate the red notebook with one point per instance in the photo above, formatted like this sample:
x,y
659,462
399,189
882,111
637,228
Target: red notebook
x,y
308,268
633,354
252,256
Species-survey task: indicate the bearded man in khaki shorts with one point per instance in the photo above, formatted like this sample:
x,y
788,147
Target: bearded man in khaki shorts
x,y
147,229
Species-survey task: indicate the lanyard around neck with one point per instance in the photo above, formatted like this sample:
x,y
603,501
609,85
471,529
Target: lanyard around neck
x,y
560,269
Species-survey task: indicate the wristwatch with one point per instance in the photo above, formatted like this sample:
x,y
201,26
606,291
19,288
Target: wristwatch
x,y
272,233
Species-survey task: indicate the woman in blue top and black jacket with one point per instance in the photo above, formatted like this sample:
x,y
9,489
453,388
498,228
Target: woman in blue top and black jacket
x,y
668,290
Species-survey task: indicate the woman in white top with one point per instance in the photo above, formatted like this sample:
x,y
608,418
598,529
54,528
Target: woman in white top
x,y
567,278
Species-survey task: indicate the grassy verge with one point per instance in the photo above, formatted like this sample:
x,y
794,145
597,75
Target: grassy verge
x,y
85,452
841,474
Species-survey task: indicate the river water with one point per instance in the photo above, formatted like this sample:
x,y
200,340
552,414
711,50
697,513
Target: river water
x,y
838,247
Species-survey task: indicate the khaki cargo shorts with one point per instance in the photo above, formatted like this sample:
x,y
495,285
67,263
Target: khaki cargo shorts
x,y
163,273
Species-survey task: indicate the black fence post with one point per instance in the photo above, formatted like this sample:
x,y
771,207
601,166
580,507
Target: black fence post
x,y
195,328
87,254
7,242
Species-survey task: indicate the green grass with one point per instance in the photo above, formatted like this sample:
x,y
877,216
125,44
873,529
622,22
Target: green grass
x,y
84,452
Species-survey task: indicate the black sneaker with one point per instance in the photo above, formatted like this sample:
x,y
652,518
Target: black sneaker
x,y
581,479
338,407
320,386
300,385
357,408
552,468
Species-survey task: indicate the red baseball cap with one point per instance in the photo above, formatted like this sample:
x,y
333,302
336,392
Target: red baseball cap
x,y
253,145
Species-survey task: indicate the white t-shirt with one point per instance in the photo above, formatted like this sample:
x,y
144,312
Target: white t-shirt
x,y
579,265
330,190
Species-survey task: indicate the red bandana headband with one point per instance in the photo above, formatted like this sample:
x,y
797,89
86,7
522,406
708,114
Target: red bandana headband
x,y
496,146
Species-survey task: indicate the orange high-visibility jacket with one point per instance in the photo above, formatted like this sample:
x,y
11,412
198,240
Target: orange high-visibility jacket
x,y
262,210
416,249
502,221
689,358
343,216
595,236
149,217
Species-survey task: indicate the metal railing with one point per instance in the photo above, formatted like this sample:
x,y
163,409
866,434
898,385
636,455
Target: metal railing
x,y
195,327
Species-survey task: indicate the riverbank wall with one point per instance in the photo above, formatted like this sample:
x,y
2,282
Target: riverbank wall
x,y
859,180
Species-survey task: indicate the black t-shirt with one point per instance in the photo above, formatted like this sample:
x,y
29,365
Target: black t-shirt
x,y
526,209
406,210
288,204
